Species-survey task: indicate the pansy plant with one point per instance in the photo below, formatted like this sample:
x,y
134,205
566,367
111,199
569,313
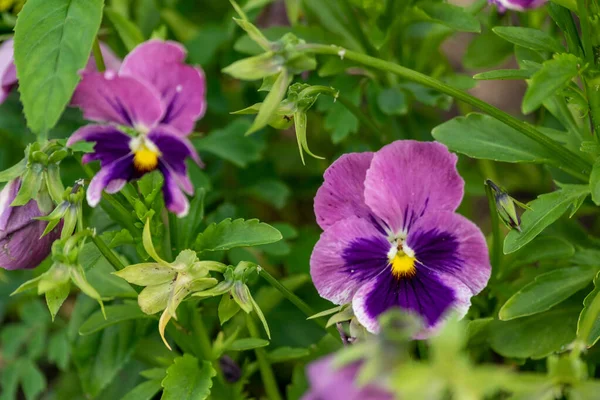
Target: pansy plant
x,y
392,238
168,284
148,108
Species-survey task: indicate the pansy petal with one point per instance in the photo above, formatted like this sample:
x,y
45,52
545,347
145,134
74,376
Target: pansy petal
x,y
111,143
8,73
407,179
175,199
121,169
124,100
448,243
182,87
348,253
425,294
342,193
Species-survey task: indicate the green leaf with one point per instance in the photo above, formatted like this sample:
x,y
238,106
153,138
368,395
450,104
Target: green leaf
x,y
271,191
59,349
237,233
232,145
487,50
393,101
529,38
503,74
32,379
595,182
56,296
594,334
227,308
144,391
129,33
248,344
186,380
546,209
481,136
536,336
283,354
452,16
546,291
544,248
114,315
53,42
14,172
554,76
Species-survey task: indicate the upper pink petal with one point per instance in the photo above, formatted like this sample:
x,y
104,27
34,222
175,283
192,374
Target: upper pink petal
x,y
407,179
182,87
342,193
107,97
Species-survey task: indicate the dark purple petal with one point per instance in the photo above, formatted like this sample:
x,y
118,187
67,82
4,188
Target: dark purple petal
x,y
330,383
450,244
348,253
111,143
23,248
124,100
8,72
182,87
407,179
119,170
175,199
424,294
342,193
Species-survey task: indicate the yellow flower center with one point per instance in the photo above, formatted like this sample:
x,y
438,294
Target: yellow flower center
x,y
403,265
145,157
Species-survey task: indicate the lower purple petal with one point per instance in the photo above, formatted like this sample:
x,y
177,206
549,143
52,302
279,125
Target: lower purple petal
x,y
111,143
348,254
175,199
119,170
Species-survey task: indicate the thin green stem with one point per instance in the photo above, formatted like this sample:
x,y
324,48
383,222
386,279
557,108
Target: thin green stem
x,y
298,302
496,236
586,326
364,119
563,158
266,371
98,56
108,253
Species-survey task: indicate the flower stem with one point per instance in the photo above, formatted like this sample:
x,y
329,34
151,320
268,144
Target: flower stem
x,y
563,158
98,56
263,363
108,253
496,237
298,302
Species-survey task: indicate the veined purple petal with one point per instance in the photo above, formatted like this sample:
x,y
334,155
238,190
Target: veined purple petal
x,y
7,195
111,143
518,5
8,72
450,244
182,87
111,61
425,294
407,179
175,199
124,100
118,170
347,255
23,248
342,193
330,383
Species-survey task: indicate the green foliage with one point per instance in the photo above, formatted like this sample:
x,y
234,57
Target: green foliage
x,y
188,379
236,233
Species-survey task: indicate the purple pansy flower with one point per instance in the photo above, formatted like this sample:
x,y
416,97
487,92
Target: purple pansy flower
x,y
151,104
20,244
330,383
518,5
8,72
392,238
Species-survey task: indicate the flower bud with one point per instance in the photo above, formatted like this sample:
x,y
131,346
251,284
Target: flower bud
x,y
20,247
505,206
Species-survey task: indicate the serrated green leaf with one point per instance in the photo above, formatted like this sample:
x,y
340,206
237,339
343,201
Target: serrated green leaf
x,y
529,38
248,344
546,291
53,42
114,315
237,233
554,76
546,209
481,136
129,33
452,16
187,380
144,391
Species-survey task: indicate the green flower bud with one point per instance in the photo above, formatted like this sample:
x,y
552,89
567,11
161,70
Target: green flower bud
x,y
505,206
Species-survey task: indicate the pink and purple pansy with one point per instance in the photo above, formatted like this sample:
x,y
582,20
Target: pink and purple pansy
x,y
392,238
151,104
517,5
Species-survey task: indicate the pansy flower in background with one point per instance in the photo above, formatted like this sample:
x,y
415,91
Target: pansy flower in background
x,y
392,238
150,105
517,5
330,383
8,72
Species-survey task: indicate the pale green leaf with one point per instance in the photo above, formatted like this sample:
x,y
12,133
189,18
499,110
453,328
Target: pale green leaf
x,y
237,233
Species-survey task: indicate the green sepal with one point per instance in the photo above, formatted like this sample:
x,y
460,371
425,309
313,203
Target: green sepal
x,y
14,172
54,183
78,277
56,297
256,67
30,185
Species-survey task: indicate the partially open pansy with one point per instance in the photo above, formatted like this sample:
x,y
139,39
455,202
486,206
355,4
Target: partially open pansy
x,y
392,238
149,106
517,5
